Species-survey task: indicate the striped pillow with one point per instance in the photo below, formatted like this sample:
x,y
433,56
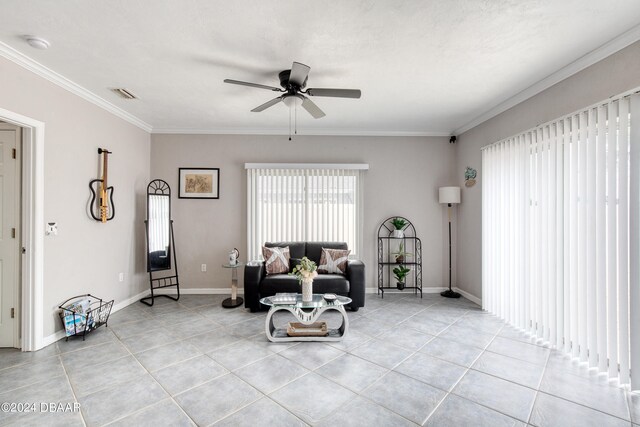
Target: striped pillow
x,y
276,259
333,261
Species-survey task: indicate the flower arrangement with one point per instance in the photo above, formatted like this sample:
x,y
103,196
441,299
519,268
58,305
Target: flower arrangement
x,y
306,270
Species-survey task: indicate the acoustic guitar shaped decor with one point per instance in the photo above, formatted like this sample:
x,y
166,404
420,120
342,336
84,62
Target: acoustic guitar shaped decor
x,y
101,206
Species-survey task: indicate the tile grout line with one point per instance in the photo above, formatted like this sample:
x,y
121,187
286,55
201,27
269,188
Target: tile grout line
x,y
535,398
450,391
157,382
73,392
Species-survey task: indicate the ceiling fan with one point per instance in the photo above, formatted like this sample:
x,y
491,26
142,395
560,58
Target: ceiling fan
x,y
293,83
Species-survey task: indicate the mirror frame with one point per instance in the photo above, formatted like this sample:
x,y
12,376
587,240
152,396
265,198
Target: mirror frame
x,y
158,187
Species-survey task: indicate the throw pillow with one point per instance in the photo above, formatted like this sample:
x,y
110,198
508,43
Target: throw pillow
x,y
276,260
333,261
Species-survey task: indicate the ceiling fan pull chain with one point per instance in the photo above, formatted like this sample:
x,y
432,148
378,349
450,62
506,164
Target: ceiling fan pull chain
x,y
289,124
295,122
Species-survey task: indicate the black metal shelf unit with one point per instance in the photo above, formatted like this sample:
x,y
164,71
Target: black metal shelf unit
x,y
391,242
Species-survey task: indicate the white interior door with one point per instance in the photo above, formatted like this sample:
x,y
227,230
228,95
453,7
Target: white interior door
x,y
9,235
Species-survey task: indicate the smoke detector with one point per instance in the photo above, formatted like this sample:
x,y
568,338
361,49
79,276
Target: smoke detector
x,y
37,42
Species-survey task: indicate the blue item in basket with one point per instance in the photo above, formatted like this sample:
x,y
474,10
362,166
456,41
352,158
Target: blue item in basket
x,y
74,323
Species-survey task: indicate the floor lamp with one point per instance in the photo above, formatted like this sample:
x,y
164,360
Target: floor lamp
x,y
449,195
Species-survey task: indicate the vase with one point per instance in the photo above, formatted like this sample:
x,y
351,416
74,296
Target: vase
x,y
307,290
398,234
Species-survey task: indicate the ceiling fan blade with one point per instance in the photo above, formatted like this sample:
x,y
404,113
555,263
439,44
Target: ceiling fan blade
x,y
238,82
266,105
299,73
312,108
335,93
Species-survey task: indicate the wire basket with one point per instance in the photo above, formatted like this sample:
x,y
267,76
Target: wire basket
x,y
84,313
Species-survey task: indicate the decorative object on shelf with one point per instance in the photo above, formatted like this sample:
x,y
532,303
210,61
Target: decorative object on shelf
x,y
470,177
400,273
161,246
450,196
101,206
401,255
305,272
234,255
399,224
199,183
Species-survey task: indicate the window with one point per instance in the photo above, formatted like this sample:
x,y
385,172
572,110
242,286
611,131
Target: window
x,y
304,202
561,241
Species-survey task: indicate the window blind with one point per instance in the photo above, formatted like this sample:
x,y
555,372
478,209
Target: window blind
x,y
304,202
561,235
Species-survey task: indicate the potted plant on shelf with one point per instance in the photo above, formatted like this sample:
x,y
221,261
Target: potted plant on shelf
x,y
398,223
400,273
401,254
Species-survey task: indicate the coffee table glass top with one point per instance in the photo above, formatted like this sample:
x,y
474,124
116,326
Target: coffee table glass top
x,y
318,301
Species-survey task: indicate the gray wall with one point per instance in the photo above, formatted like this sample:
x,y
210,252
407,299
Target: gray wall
x,y
86,256
613,75
404,175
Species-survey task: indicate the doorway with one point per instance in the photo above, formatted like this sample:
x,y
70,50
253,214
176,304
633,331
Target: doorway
x,y
10,234
29,310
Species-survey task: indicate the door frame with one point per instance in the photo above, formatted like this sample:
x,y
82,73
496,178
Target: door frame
x,y
32,214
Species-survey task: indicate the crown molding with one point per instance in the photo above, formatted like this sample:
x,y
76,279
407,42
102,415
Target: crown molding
x,y
285,132
623,40
24,61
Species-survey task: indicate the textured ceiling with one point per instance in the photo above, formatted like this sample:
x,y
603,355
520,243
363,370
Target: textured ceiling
x,y
424,66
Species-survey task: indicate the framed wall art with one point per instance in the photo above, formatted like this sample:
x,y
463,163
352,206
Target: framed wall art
x,y
199,183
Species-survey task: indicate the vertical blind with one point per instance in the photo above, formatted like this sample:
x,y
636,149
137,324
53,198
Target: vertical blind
x,y
561,237
304,202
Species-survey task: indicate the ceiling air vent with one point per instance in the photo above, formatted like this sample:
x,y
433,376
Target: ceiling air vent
x,y
124,93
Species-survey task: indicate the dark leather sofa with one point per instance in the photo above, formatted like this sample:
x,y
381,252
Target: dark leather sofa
x,y
258,285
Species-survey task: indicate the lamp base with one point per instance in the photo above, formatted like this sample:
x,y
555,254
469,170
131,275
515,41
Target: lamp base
x,y
450,294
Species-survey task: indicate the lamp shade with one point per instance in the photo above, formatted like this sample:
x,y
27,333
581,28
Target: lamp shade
x,y
449,194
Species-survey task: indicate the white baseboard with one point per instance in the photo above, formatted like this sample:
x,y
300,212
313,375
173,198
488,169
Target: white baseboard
x,y
48,340
434,290
468,296
201,291
127,302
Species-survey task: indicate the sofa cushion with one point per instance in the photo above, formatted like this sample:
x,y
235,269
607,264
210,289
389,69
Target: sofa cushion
x,y
276,259
333,261
314,249
331,283
296,249
277,283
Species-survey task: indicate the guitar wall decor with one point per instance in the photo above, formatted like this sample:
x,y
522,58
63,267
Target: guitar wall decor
x,y
101,207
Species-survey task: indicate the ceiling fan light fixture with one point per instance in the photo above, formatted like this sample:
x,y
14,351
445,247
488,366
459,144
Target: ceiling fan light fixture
x,y
293,101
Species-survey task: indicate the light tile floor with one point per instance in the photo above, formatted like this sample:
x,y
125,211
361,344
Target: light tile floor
x,y
406,361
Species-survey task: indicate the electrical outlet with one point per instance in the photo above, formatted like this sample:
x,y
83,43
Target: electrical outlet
x,y
203,268
121,277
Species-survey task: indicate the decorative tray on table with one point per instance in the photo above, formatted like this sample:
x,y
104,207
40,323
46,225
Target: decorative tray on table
x,y
317,329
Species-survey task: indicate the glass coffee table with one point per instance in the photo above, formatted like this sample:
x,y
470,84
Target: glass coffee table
x,y
307,314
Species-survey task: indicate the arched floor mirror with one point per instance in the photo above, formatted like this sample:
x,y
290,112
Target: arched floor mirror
x,y
161,249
